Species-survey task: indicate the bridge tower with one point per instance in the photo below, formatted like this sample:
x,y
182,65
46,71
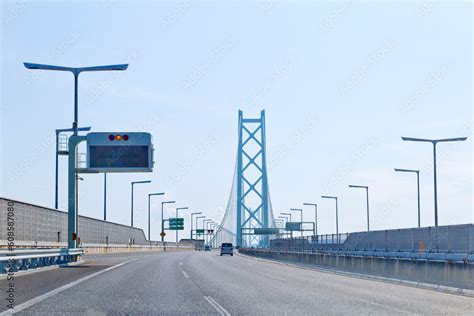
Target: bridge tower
x,y
253,209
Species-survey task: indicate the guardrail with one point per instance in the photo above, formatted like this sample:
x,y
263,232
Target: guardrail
x,y
24,259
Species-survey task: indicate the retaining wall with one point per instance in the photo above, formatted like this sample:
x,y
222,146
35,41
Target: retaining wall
x,y
37,225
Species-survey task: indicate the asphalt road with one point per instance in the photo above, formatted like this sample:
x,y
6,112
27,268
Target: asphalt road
x,y
203,283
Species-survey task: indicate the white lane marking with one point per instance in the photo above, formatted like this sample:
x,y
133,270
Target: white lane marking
x,y
185,274
216,306
272,276
47,295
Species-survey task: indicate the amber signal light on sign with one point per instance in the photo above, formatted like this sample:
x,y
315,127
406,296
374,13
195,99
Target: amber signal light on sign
x,y
118,137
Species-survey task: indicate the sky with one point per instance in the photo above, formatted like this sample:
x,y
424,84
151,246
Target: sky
x,y
340,83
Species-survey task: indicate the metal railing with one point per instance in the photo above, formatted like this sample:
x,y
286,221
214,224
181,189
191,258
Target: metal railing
x,y
309,242
24,259
443,243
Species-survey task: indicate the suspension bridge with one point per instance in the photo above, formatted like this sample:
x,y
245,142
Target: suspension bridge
x,y
249,206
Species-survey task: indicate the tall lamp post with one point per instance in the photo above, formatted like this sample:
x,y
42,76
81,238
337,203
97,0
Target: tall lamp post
x,y
434,142
367,197
163,219
177,209
301,216
337,214
133,183
289,215
192,214
198,217
62,152
284,218
279,222
204,226
76,71
74,140
315,217
149,198
208,227
418,189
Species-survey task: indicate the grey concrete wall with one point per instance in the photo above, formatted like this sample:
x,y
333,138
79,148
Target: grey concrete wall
x,y
42,224
454,274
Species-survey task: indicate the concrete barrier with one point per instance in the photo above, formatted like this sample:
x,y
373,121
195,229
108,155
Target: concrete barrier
x,y
130,249
452,274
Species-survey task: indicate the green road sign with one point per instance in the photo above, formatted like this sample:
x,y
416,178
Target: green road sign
x,y
266,231
176,223
293,226
176,228
199,231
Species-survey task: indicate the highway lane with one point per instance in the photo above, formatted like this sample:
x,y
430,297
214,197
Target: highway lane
x,y
203,283
30,285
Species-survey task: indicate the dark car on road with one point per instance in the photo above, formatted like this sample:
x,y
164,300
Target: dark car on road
x,y
227,249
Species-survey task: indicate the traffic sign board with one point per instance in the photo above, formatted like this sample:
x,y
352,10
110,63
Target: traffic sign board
x,y
163,234
293,226
176,228
119,152
176,223
266,231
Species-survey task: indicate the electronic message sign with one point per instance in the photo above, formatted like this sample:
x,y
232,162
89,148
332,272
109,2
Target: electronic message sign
x,y
119,152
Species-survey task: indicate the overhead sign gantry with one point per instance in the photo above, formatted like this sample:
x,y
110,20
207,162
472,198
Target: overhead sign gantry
x,y
106,152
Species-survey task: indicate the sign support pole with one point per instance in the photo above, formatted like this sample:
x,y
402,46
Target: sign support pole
x,y
72,220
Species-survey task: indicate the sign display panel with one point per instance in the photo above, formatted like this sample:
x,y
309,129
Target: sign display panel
x,y
266,231
119,152
293,226
176,223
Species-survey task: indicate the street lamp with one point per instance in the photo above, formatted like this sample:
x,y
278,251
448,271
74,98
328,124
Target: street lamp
x,y
198,217
74,140
278,221
192,214
209,235
62,152
301,213
367,196
149,196
289,215
162,234
418,189
337,214
434,142
204,226
133,183
284,218
315,217
177,209
76,71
